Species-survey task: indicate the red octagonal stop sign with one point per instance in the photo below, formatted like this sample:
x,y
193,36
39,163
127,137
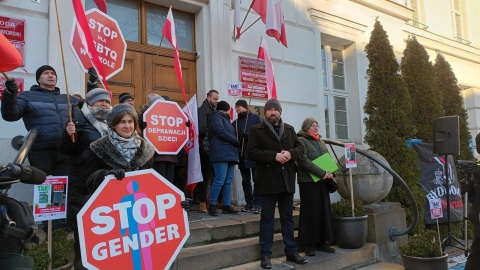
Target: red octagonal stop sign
x,y
166,127
135,223
108,40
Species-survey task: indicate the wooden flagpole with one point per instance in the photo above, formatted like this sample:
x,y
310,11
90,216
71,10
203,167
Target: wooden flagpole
x,y
64,69
250,26
234,35
5,75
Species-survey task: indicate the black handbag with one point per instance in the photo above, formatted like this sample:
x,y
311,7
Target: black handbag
x,y
332,185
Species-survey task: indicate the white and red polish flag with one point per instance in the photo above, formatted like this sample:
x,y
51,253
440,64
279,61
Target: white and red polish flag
x,y
192,147
273,17
237,22
87,41
168,32
269,72
102,5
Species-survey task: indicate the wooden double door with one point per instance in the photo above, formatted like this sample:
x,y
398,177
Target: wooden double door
x,y
149,69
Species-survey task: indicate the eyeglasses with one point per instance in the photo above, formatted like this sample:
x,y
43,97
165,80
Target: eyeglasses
x,y
314,126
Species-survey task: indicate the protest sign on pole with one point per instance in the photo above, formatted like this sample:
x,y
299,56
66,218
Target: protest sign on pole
x,y
50,199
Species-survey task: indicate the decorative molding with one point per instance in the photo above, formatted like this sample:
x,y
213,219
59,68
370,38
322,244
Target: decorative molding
x,y
388,7
335,22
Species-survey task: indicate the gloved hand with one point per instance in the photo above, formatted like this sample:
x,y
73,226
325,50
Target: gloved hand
x,y
466,186
187,123
118,173
11,86
92,78
186,205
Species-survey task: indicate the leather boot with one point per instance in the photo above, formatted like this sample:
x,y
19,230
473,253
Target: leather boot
x,y
202,207
212,210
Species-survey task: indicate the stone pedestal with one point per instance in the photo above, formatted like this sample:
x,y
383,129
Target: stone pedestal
x,y
381,217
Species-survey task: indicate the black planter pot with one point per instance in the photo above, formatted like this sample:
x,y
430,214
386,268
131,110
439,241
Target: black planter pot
x,y
436,263
350,232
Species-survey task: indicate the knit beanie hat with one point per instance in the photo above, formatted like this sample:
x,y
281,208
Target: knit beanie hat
x,y
223,106
273,103
124,96
97,94
153,97
118,109
41,69
242,103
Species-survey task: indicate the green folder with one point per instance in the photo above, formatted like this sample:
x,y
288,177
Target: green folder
x,y
325,162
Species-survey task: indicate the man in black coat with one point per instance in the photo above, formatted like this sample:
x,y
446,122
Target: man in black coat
x,y
204,111
274,146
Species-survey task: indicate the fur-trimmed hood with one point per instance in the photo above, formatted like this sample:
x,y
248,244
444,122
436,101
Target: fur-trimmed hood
x,y
107,152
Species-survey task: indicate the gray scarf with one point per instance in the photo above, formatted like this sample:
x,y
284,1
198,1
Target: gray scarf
x,y
126,146
96,116
280,130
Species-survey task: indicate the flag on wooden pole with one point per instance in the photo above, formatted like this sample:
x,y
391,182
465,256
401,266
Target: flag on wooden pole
x,y
11,58
102,5
273,17
237,22
269,72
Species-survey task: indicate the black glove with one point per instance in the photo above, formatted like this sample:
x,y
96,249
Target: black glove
x,y
186,205
93,75
245,137
118,173
466,186
187,123
11,86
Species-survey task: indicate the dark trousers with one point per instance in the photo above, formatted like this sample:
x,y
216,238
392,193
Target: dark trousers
x,y
202,187
267,217
251,197
473,260
165,168
52,163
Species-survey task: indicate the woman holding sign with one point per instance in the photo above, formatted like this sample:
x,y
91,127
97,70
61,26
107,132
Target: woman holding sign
x,y
316,219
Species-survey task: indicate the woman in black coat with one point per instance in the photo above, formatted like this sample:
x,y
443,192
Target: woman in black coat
x,y
89,124
316,219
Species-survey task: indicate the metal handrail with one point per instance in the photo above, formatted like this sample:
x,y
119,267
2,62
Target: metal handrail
x,y
392,232
26,145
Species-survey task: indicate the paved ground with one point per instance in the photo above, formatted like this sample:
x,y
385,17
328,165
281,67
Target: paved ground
x,y
456,258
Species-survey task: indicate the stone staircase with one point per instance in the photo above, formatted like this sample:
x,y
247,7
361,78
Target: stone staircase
x,y
231,242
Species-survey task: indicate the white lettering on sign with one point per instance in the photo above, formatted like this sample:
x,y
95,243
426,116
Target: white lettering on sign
x,y
106,223
125,244
167,139
105,30
170,120
167,131
7,23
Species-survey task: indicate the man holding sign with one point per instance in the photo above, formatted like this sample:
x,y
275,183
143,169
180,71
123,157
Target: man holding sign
x,y
316,218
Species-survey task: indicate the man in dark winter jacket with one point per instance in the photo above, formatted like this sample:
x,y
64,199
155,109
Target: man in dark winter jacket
x,y
473,189
45,109
245,121
204,112
274,146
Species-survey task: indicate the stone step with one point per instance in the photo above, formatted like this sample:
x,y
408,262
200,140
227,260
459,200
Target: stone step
x,y
341,259
205,229
383,266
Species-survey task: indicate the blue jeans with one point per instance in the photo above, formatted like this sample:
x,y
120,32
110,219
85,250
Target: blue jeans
x,y
222,180
267,220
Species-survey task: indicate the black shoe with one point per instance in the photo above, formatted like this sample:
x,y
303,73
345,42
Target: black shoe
x,y
296,259
247,208
266,263
212,210
325,248
229,210
310,251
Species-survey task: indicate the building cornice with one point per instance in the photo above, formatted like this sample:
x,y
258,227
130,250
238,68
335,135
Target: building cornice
x,y
387,7
335,22
444,45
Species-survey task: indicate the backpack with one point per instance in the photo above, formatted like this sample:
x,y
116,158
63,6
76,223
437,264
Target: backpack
x,y
17,227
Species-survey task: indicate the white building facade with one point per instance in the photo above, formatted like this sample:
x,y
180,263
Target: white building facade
x,y
322,73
